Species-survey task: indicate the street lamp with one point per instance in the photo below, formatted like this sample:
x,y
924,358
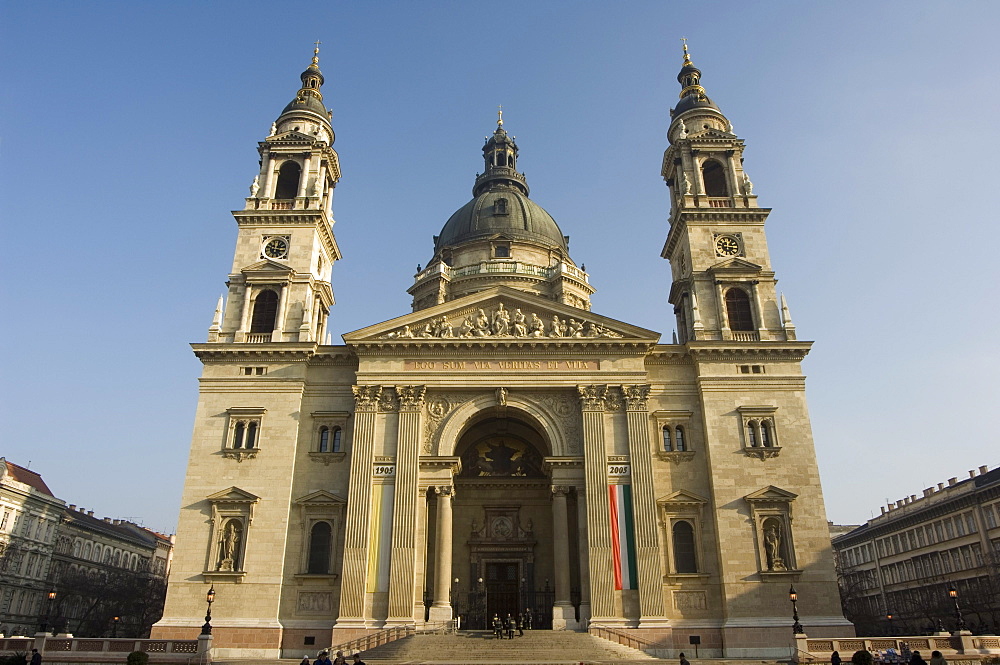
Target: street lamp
x,y
794,597
48,612
209,598
114,626
888,616
953,594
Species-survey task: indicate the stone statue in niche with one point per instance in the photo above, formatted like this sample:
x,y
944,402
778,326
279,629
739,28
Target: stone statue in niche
x,y
255,186
229,545
682,130
772,543
747,185
685,185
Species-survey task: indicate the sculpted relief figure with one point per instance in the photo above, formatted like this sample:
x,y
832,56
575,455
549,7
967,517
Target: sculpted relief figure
x,y
772,542
501,322
520,327
227,546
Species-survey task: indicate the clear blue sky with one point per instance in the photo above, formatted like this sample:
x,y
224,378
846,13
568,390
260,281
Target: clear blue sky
x,y
129,132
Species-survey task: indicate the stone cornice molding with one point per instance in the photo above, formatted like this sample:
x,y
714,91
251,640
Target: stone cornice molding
x,y
434,345
739,351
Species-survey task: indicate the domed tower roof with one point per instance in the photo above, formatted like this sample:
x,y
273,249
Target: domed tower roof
x,y
309,98
500,203
692,94
501,238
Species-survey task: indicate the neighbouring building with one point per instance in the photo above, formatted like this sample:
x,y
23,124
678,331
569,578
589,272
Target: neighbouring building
x,y
98,569
903,562
502,447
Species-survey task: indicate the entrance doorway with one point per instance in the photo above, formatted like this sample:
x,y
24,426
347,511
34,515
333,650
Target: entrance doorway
x,y
503,595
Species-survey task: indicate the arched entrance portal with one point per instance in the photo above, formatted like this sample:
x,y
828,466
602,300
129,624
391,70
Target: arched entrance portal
x,y
503,548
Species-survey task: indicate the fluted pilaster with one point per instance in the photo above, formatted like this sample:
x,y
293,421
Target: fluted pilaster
x,y
358,531
602,581
644,506
404,514
441,608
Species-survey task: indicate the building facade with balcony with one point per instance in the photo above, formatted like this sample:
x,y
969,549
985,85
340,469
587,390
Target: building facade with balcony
x,y
502,447
895,571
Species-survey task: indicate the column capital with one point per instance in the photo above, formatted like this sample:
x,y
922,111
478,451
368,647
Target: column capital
x,y
561,490
445,491
366,398
411,398
592,397
636,396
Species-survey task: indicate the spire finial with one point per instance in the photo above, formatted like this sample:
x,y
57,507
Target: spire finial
x,y
687,56
316,52
500,115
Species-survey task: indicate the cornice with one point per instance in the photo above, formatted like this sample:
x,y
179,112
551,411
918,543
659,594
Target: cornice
x,y
274,351
433,345
729,350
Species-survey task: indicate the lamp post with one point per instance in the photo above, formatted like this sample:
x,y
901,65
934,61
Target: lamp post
x,y
209,598
888,616
953,594
114,626
48,612
794,597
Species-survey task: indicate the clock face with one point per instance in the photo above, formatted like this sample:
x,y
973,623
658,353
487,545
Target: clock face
x,y
276,248
727,246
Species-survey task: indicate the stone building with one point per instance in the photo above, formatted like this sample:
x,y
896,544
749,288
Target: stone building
x,y
903,562
502,447
97,568
28,529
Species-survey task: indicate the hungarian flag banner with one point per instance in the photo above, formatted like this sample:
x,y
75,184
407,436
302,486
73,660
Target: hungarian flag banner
x,y
622,536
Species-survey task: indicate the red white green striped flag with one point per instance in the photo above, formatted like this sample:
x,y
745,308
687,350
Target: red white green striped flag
x,y
622,536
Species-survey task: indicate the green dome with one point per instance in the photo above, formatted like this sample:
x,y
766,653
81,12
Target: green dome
x,y
519,218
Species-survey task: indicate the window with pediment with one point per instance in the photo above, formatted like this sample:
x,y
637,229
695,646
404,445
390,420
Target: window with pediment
x,y
681,520
321,515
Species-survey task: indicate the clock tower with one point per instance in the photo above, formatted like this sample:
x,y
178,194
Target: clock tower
x,y
279,285
723,284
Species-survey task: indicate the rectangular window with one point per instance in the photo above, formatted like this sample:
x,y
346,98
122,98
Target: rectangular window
x,y
949,528
970,522
960,525
991,520
6,518
939,532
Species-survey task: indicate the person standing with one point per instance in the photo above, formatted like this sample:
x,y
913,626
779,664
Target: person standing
x,y
835,658
684,660
36,658
937,658
520,625
357,659
915,659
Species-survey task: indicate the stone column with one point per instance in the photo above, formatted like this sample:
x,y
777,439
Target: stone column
x,y
441,608
244,313
581,520
602,582
647,546
563,615
304,176
404,513
759,307
723,314
356,538
279,319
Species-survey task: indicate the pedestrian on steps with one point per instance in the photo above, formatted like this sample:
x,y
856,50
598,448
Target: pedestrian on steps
x,y
36,658
684,660
340,660
357,659
305,660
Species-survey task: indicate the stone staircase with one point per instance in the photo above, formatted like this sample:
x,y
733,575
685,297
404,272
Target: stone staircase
x,y
535,646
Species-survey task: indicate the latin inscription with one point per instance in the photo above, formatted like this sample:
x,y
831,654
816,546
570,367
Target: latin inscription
x,y
501,365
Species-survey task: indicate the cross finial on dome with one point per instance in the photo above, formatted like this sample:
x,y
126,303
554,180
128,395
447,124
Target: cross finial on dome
x,y
687,56
316,52
500,115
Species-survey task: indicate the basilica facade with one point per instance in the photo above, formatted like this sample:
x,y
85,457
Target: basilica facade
x,y
502,447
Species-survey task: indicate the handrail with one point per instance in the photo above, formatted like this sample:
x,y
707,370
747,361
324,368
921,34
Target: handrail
x,y
798,658
376,639
619,635
439,627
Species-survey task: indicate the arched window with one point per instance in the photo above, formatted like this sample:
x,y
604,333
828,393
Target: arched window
x,y
86,551
324,439
337,440
679,444
685,560
251,434
714,177
288,180
76,548
765,434
667,443
751,434
265,312
738,309
239,434
319,549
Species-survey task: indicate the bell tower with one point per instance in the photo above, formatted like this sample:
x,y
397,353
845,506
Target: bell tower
x,y
723,285
279,285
